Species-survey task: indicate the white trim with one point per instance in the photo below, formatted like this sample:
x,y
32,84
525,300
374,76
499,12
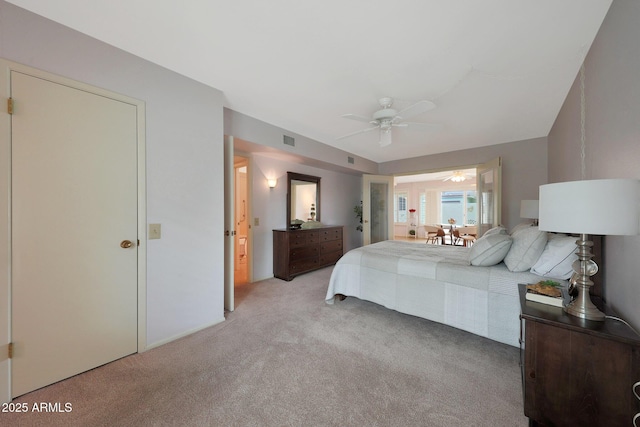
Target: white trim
x,y
5,197
5,232
142,226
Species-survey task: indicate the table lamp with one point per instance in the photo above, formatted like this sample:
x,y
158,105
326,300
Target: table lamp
x,y
601,207
529,210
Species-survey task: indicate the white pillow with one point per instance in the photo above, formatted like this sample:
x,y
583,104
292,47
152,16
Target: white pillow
x,y
557,258
495,230
489,250
528,244
521,226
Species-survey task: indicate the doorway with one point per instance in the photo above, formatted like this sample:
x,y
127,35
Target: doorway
x,y
242,226
443,199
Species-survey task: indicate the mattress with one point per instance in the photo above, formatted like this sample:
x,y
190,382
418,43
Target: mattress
x,y
434,282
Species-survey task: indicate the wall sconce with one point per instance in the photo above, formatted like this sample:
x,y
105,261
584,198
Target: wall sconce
x,y
272,182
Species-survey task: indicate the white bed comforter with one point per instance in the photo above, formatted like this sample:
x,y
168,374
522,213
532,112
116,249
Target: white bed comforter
x,y
434,282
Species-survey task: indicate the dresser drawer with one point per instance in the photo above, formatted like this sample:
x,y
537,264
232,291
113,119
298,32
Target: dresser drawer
x,y
302,238
303,265
303,252
330,258
331,234
331,246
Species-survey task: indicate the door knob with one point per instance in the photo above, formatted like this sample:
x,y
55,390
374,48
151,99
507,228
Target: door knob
x,y
126,244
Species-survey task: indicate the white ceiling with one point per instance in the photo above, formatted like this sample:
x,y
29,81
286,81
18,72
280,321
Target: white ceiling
x,y
497,70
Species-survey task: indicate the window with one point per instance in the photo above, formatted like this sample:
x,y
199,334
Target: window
x,y
423,209
400,207
462,206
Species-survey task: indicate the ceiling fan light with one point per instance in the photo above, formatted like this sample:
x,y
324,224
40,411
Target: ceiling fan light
x,y
385,125
458,176
385,137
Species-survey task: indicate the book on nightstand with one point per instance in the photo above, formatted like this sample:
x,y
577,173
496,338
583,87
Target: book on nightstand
x,y
547,292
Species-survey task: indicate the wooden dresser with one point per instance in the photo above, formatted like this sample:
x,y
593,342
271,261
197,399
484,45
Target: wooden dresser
x,y
577,372
300,251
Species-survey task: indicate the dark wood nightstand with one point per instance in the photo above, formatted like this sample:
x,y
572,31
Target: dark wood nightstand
x,y
577,372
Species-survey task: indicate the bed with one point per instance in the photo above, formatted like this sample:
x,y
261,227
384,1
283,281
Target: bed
x,y
440,283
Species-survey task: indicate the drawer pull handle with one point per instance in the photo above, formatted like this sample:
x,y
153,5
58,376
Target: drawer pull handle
x,y
532,374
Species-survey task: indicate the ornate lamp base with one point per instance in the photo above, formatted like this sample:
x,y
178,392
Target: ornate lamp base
x,y
584,267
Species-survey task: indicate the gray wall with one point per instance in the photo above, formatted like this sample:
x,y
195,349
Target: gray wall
x,y
524,169
612,95
184,173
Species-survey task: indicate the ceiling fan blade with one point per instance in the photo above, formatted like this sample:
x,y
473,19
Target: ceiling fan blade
x,y
385,138
357,117
422,126
415,109
357,132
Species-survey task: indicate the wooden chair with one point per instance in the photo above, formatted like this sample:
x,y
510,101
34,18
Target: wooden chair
x,y
455,236
467,234
433,234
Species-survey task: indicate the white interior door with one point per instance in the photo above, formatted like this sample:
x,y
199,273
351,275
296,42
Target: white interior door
x,y
489,183
377,208
229,224
74,207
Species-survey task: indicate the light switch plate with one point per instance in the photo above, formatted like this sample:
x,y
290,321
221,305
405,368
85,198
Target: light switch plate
x,y
155,231
256,221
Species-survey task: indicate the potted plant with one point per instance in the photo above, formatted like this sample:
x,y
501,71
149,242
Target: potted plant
x,y
358,211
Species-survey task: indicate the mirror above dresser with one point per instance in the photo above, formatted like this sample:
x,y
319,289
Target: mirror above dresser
x,y
303,199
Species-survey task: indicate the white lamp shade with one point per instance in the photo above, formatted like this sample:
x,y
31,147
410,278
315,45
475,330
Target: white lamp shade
x,y
529,209
601,206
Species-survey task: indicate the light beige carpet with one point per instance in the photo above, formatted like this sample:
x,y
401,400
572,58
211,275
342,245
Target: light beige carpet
x,y
285,358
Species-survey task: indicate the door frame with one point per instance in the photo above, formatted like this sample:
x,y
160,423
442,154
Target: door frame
x,y
367,180
6,67
494,167
229,224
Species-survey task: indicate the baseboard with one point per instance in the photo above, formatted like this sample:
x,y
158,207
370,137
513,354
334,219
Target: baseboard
x,y
182,335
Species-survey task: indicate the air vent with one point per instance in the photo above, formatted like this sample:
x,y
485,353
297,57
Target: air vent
x,y
350,160
288,140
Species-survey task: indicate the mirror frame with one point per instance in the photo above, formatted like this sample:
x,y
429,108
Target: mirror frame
x,y
293,176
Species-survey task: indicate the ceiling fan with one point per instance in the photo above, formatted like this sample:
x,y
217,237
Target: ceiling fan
x,y
458,176
387,118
